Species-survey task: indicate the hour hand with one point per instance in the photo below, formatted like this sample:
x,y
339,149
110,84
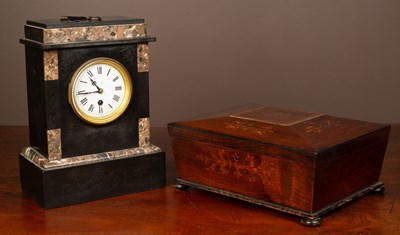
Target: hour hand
x,y
99,90
94,84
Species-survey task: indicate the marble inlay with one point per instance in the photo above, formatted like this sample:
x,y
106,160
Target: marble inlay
x,y
50,63
143,58
38,159
93,33
54,144
144,132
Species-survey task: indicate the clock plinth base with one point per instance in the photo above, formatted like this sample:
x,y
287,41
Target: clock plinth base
x,y
88,182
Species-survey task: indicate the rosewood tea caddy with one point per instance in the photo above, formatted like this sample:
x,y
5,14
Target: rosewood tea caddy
x,y
301,163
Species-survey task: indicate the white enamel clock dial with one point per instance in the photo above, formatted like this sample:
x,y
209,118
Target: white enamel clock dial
x,y
100,90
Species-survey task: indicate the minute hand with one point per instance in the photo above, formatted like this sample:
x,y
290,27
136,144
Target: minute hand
x,y
89,92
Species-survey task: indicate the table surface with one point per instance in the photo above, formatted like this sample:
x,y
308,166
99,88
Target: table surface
x,y
169,211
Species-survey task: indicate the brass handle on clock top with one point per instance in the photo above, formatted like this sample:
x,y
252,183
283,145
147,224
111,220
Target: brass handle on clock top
x,y
80,18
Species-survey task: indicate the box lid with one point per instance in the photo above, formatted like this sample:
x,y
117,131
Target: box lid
x,y
305,131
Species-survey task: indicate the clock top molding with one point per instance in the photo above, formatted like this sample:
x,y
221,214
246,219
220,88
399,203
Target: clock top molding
x,y
67,32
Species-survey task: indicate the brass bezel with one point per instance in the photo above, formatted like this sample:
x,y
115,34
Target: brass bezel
x,y
126,98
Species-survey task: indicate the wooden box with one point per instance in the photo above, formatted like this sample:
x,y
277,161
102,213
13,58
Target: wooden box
x,y
297,162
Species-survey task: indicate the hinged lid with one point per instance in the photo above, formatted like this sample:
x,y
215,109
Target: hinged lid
x,y
290,129
73,31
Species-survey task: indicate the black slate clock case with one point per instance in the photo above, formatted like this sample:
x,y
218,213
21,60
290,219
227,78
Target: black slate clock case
x,y
87,175
79,137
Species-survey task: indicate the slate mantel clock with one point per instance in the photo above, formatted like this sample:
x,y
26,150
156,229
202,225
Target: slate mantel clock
x,y
88,100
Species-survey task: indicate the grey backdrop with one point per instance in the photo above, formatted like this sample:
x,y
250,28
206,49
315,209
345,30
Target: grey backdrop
x,y
338,57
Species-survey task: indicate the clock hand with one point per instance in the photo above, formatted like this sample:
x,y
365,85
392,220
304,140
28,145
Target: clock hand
x,y
100,90
89,92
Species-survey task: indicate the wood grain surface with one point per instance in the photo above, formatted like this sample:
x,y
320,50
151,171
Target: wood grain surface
x,y
293,159
168,211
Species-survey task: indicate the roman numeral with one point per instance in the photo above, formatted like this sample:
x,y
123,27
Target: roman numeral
x,y
118,88
116,78
100,109
82,81
84,101
99,70
91,108
108,72
110,105
116,98
90,73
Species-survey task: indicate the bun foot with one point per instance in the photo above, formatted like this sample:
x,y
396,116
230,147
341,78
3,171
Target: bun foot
x,y
179,186
311,221
379,190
